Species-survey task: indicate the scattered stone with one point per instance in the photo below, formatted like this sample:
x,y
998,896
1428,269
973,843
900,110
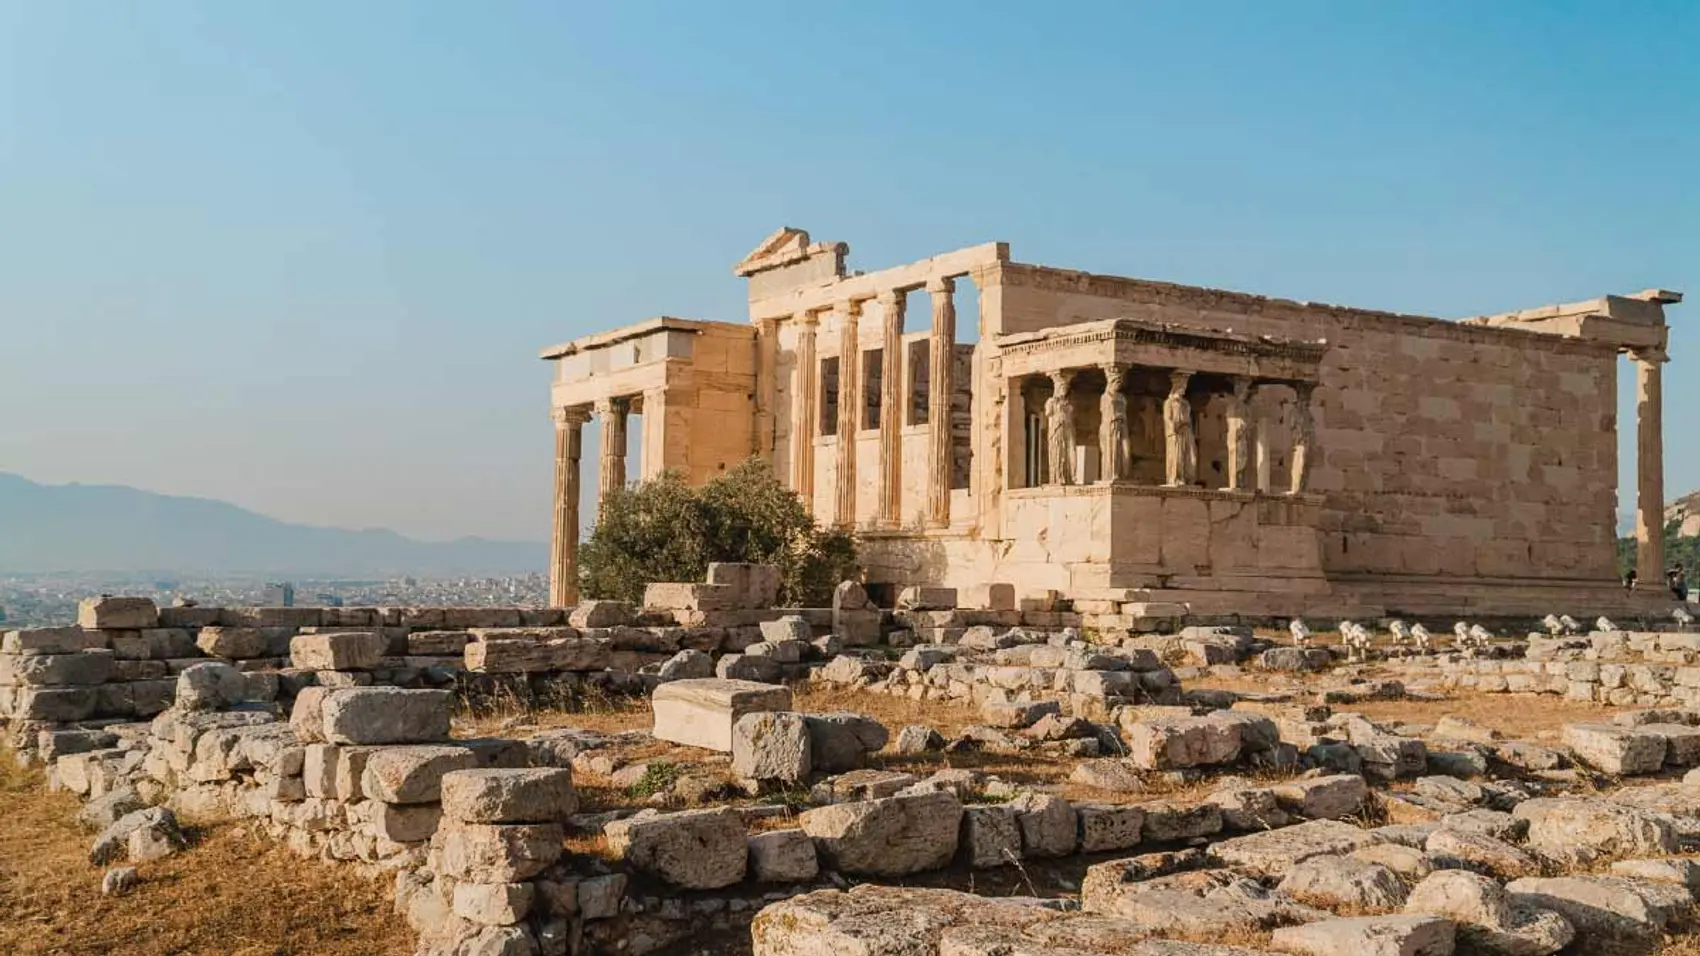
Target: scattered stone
x,y
772,746
528,795
915,739
120,880
894,836
693,849
1343,881
210,686
702,713
1369,936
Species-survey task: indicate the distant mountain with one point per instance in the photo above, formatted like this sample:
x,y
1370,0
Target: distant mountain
x,y
113,528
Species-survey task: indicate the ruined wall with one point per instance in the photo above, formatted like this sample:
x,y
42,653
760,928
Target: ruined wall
x,y
1445,450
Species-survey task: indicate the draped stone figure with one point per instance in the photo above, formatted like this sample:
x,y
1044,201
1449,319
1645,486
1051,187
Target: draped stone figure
x,y
1239,433
1182,450
1059,430
1114,441
1304,436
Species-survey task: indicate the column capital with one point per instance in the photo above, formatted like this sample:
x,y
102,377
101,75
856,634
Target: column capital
x,y
577,415
941,285
808,319
1654,355
767,324
850,307
890,298
1113,375
1061,379
1178,379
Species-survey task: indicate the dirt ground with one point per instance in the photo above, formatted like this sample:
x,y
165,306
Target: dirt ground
x,y
230,894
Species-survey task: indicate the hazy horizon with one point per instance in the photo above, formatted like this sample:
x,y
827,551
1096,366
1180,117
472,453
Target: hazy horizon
x,y
301,258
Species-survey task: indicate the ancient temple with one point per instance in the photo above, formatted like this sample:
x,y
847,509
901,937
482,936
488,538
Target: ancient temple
x,y
1125,440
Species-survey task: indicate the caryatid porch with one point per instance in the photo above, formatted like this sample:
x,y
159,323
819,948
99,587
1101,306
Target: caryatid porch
x,y
1151,452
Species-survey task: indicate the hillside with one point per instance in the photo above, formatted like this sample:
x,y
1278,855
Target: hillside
x,y
114,528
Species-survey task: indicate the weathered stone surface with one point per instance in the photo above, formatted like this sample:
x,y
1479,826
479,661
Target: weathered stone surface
x,y
893,836
119,880
1170,743
1249,808
108,808
337,651
81,669
1603,909
1049,826
772,746
694,849
232,643
601,614
213,685
412,774
117,613
493,904
404,823
1614,749
1274,852
1114,774
1409,862
916,739
535,651
143,834
1488,921
991,836
1107,827
688,664
1462,849
1333,881
1369,936
1584,830
50,640
701,713
842,741
1678,870
1323,798
783,856
875,920
497,853
385,715
520,795
1168,821
1194,904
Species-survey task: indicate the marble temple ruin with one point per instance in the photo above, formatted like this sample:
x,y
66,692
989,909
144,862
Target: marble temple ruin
x,y
1124,440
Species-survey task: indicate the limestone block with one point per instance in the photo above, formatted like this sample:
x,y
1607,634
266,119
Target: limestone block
x,y
771,746
783,856
1617,750
337,651
493,904
1457,849
691,597
693,849
688,664
521,795
1167,821
787,651
106,612
1487,920
747,668
893,836
1014,714
1049,825
497,853
1337,881
927,598
232,643
307,716
385,715
53,703
412,774
1274,852
1682,742
82,669
513,653
404,823
601,614
1323,798
438,643
701,713
1171,743
1684,872
991,836
1602,908
1581,830
1369,936
917,739
988,597
1249,808
51,640
756,585
1107,827
791,627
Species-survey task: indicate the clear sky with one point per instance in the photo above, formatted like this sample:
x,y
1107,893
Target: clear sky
x,y
300,256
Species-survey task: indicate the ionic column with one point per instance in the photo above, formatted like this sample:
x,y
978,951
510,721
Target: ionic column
x,y
1304,436
767,385
611,463
942,371
563,542
1239,433
891,399
1649,464
804,378
849,411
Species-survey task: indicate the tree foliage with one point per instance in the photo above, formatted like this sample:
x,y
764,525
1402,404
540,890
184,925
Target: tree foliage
x,y
665,530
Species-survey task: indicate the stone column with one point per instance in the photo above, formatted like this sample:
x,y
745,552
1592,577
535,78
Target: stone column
x,y
1180,441
1304,436
849,411
611,463
563,542
1239,433
804,395
1263,455
890,513
1113,427
654,458
942,371
1649,466
767,385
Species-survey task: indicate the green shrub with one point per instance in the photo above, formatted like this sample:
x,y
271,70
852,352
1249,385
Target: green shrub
x,y
665,530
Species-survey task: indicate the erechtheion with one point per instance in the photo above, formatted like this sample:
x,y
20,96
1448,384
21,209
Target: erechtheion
x,y
1125,440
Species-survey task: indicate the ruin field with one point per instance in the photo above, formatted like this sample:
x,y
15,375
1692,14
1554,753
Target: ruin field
x,y
925,779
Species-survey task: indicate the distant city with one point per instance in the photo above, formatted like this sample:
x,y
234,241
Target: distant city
x,y
38,600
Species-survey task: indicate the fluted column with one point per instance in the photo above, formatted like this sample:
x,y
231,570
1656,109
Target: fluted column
x,y
611,462
890,511
849,411
563,542
1649,464
1304,436
1239,433
804,395
942,371
767,385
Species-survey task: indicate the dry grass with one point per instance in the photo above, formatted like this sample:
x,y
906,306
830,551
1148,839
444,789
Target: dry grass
x,y
231,894
1516,716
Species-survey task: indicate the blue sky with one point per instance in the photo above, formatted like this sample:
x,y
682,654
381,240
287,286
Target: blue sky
x,y
300,256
